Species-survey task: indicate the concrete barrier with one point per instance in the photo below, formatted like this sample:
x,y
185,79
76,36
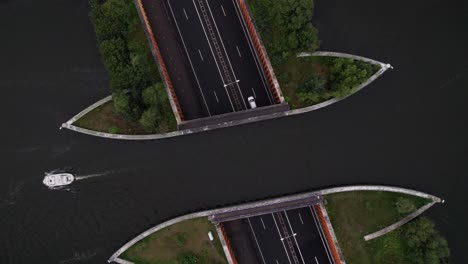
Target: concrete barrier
x,y
225,243
122,261
160,62
266,203
398,224
260,48
89,109
327,230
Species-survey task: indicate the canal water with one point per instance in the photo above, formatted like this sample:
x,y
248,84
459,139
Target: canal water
x,y
407,129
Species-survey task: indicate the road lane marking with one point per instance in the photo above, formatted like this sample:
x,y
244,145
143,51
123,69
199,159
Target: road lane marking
x,y
279,233
188,55
185,13
236,81
295,240
227,56
214,57
222,8
256,241
238,51
312,211
316,260
263,223
277,262
201,56
300,218
253,91
216,96
255,58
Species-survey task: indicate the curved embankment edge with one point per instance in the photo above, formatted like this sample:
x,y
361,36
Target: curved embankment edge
x,y
435,199
87,110
383,67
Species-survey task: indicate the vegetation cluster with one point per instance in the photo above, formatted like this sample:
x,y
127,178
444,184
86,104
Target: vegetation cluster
x,y
286,29
138,93
356,214
339,77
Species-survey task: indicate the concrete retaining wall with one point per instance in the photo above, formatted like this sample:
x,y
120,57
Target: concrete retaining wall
x,y
225,243
269,202
89,109
122,261
327,229
398,224
381,188
178,114
261,51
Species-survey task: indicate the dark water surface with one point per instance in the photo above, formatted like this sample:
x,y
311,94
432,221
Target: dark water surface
x,y
408,129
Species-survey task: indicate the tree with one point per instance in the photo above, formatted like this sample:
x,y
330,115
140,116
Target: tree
x,y
122,103
347,74
425,244
285,27
149,119
150,96
312,90
127,58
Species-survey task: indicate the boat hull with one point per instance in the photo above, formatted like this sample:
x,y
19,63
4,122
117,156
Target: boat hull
x,y
57,180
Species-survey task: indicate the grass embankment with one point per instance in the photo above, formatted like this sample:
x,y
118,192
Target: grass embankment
x,y
183,243
356,214
286,29
104,119
138,93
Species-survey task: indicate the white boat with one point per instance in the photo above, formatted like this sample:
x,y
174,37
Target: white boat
x,y
59,179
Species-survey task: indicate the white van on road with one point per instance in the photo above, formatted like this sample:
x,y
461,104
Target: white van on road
x,y
252,103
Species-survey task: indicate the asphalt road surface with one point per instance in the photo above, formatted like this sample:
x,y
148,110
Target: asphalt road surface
x,y
220,54
291,236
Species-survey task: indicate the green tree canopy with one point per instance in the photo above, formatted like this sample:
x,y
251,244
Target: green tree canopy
x,y
150,119
122,103
425,244
285,27
155,95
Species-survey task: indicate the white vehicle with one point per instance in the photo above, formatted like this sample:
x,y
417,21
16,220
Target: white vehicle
x,y
59,179
252,102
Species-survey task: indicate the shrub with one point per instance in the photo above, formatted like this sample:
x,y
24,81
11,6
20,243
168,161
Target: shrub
x,y
405,206
312,90
122,103
113,130
149,119
187,258
180,239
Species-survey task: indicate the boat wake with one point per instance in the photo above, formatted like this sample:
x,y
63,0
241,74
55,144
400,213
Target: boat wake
x,y
83,177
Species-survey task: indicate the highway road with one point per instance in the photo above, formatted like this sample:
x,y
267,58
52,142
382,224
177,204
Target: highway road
x,y
220,54
291,236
